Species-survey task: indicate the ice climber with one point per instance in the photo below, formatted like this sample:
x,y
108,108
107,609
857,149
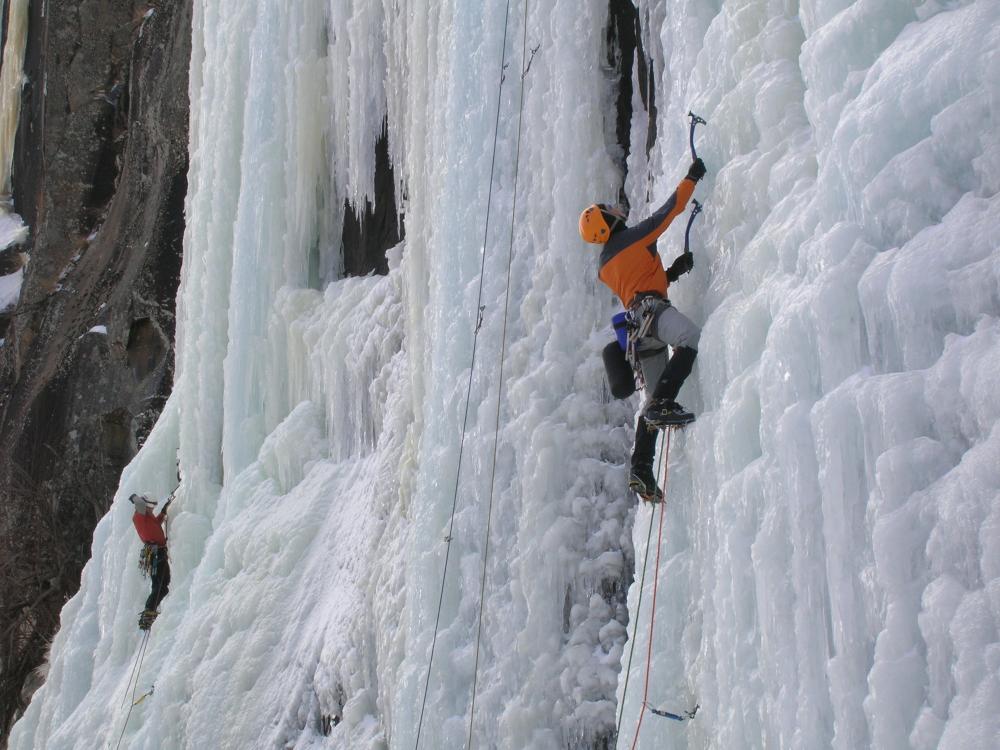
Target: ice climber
x,y
631,267
153,557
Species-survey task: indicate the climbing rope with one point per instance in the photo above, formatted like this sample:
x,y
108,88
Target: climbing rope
x,y
137,670
138,655
652,619
656,580
472,367
638,608
503,350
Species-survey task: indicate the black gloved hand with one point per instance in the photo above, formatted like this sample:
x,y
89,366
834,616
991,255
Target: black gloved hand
x,y
697,170
681,265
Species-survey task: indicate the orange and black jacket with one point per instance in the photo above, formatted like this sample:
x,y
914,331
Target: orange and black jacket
x,y
629,261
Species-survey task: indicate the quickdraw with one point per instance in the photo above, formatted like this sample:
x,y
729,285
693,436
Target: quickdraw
x,y
686,716
147,559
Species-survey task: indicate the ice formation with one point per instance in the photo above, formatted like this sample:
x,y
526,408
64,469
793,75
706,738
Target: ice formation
x,y
831,571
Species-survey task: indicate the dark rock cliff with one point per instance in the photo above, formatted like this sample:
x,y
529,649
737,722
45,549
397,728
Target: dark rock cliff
x,y
99,176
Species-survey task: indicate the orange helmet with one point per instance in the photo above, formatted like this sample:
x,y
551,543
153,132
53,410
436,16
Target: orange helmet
x,y
594,223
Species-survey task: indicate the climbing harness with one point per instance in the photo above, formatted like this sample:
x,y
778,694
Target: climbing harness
x,y
640,319
695,122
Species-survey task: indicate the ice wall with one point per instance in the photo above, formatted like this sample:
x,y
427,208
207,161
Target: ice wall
x,y
831,565
833,569
12,229
318,420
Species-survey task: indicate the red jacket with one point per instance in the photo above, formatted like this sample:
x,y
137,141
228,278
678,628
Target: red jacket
x,y
150,528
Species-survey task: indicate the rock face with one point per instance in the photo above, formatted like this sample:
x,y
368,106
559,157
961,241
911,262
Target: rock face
x,y
367,236
100,170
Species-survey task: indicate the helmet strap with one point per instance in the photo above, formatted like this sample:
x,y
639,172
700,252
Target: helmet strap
x,y
614,221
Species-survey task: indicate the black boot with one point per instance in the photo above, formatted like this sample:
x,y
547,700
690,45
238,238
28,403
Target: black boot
x,y
663,413
663,410
674,374
640,477
642,482
146,618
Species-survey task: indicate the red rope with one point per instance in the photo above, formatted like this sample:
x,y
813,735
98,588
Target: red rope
x,y
656,578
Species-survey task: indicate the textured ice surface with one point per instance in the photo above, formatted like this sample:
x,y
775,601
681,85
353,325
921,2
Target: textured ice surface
x,y
831,555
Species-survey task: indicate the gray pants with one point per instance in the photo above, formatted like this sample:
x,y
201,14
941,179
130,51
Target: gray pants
x,y
672,328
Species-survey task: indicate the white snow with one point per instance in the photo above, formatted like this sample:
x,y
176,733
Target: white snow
x,y
12,232
10,288
831,551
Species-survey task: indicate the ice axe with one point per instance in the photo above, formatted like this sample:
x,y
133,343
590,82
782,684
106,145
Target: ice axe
x,y
694,212
695,122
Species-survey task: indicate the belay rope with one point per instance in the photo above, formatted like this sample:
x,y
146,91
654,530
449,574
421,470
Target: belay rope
x,y
147,558
136,667
664,469
642,587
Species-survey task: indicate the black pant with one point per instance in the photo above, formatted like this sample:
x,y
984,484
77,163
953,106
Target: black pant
x,y
161,578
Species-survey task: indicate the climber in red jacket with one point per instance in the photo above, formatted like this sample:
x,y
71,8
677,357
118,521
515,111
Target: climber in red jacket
x,y
153,558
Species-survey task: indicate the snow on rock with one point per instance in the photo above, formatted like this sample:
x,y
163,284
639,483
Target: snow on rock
x,y
10,288
830,558
13,231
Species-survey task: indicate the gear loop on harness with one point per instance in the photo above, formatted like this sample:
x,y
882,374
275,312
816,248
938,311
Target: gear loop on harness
x,y
147,559
640,319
